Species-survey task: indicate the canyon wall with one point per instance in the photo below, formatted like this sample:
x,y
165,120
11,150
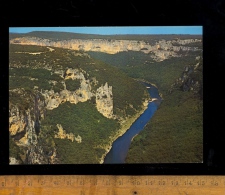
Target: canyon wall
x,y
160,51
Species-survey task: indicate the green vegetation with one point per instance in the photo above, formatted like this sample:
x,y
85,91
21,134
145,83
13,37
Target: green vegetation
x,y
60,36
62,59
81,119
45,70
123,59
72,85
134,64
58,87
27,78
14,150
174,134
26,48
22,100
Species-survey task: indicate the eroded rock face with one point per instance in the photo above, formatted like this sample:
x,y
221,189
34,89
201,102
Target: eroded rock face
x,y
21,126
16,121
82,94
24,128
167,48
103,95
13,161
63,135
187,81
104,100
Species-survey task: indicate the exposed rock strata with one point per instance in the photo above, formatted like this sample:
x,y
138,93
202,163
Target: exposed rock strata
x,y
13,161
104,100
167,48
187,81
103,95
16,121
24,129
63,135
22,123
82,94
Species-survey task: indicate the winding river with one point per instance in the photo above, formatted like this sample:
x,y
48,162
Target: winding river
x,y
120,147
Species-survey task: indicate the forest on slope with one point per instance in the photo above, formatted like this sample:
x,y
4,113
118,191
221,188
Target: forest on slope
x,y
36,70
175,133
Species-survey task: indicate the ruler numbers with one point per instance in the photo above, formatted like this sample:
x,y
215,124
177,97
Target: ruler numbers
x,y
136,182
175,182
41,182
188,182
201,182
149,182
3,183
120,182
162,182
112,185
106,182
94,182
69,182
214,182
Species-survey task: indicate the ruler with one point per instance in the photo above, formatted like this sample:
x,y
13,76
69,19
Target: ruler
x,y
111,185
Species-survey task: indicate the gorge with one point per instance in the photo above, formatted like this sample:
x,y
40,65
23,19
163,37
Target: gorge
x,y
120,147
72,99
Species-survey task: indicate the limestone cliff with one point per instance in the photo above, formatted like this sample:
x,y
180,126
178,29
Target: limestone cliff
x,y
63,135
24,127
29,105
190,78
13,161
82,94
103,95
104,100
16,121
167,48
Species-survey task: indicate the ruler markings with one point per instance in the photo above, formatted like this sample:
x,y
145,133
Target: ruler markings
x,y
112,185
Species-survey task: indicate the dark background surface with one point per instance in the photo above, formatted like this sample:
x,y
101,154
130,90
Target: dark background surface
x,y
208,13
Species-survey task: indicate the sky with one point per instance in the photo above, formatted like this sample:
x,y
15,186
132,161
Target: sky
x,y
115,30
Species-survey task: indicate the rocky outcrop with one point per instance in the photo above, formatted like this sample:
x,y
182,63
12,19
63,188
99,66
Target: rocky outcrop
x,y
13,161
74,74
188,80
16,121
63,135
104,100
103,95
22,127
82,94
167,48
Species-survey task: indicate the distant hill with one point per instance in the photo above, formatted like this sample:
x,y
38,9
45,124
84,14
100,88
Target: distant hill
x,y
58,36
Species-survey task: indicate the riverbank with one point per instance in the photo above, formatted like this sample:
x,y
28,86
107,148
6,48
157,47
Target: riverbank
x,y
124,126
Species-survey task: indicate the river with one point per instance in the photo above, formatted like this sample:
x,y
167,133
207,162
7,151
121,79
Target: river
x,y
121,145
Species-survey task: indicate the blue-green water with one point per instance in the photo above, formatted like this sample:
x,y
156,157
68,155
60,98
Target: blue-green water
x,y
120,147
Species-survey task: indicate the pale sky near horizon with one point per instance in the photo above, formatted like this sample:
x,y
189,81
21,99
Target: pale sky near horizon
x,y
194,30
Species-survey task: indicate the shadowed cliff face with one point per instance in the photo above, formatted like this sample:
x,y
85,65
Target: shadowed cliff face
x,y
159,51
24,128
59,74
45,84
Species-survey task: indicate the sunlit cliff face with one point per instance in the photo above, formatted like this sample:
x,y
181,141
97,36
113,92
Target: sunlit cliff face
x,y
161,50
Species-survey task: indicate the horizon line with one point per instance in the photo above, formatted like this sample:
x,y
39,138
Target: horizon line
x,y
100,34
